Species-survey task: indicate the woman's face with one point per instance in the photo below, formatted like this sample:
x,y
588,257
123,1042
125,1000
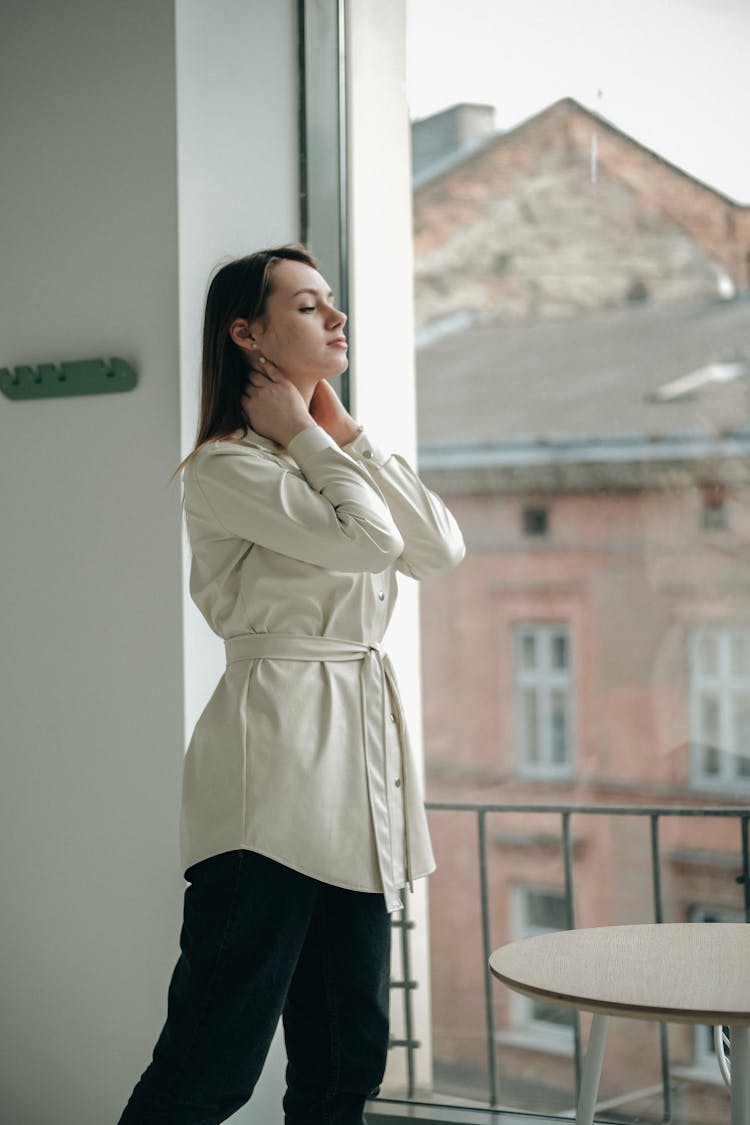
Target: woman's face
x,y
301,331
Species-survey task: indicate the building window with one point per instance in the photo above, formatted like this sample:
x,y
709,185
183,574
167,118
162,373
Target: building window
x,y
543,700
714,513
704,1046
535,521
714,517
535,912
720,708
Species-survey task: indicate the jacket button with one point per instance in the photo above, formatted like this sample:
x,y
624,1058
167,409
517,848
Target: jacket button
x,y
393,717
381,596
397,783
367,453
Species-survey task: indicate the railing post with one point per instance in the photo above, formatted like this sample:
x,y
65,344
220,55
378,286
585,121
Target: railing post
x,y
745,821
570,922
409,1043
666,1097
654,814
487,950
408,985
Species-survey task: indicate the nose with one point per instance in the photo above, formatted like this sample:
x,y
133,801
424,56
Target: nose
x,y
337,319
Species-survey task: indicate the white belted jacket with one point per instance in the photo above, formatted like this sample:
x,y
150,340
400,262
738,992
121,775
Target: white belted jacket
x,y
302,753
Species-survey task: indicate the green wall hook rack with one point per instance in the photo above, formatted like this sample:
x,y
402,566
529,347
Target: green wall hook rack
x,y
79,377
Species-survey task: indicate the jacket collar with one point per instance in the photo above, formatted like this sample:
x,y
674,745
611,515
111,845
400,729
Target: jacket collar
x,y
258,441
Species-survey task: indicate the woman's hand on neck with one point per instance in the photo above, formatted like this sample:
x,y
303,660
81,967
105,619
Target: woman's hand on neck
x,y
327,409
274,406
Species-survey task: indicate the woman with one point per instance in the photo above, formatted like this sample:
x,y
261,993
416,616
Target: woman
x,y
302,814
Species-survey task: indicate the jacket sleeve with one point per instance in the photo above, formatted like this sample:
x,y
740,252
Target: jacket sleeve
x,y
433,542
333,516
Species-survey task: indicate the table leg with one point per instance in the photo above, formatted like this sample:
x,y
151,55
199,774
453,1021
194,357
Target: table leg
x,y
739,1065
592,1069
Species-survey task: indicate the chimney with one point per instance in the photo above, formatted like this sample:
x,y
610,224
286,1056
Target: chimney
x,y
454,132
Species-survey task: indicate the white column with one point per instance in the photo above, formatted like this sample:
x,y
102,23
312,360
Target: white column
x,y
238,192
382,329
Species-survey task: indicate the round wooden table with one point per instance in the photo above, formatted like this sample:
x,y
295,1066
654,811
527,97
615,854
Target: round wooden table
x,y
674,973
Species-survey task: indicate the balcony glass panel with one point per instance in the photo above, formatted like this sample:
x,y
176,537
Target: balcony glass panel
x,y
582,308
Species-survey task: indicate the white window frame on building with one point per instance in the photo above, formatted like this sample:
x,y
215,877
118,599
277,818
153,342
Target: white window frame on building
x,y
543,699
705,1062
720,708
529,1023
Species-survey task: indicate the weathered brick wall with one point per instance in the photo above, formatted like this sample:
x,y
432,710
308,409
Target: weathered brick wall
x,y
718,224
519,229
631,574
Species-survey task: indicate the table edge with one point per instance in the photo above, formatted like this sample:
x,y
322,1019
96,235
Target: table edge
x,y
628,1011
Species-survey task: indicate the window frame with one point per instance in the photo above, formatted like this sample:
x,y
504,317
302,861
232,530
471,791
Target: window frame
x,y
525,1030
544,682
705,1062
722,686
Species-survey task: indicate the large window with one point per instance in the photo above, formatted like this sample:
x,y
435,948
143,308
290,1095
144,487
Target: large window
x,y
720,704
543,699
537,911
581,239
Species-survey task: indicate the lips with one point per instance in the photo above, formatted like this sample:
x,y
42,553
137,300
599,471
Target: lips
x,y
339,342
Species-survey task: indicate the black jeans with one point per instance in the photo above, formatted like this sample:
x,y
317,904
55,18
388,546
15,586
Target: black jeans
x,y
260,941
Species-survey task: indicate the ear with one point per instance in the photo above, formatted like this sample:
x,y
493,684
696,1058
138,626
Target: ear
x,y
239,332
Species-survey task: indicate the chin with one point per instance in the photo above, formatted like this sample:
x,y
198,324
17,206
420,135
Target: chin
x,y
341,366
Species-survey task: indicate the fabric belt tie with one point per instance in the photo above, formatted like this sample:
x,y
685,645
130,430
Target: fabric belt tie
x,y
376,680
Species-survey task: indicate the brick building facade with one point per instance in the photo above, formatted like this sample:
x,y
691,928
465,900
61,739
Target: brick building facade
x,y
519,229
594,647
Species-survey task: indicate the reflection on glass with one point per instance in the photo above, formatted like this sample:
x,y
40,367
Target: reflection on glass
x,y
544,680
559,727
708,655
710,719
740,658
559,651
562,1017
531,726
711,761
741,733
583,357
544,911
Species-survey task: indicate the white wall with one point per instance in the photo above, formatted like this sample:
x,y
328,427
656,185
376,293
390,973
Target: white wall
x,y
91,607
142,143
90,690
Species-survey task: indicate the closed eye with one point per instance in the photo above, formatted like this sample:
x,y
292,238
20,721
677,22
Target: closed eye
x,y
308,308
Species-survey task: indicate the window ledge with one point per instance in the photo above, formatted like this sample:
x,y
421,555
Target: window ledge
x,y
538,1040
707,1073
545,773
724,787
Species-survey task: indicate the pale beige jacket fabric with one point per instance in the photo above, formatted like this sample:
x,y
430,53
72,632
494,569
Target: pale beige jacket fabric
x,y
302,753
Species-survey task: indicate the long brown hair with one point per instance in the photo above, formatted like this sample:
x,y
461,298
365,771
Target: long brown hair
x,y
238,289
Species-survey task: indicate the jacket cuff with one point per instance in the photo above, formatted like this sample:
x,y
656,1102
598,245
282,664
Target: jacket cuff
x,y
365,450
311,440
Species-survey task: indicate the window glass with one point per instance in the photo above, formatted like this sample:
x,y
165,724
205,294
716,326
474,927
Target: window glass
x,y
559,643
740,654
581,247
543,698
539,912
721,691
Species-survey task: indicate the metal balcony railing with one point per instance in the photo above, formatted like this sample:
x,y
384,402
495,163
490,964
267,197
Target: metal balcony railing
x,y
654,815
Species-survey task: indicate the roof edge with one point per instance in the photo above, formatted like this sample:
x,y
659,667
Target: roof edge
x,y
423,180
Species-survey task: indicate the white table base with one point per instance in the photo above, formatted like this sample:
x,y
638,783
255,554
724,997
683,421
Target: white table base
x,y
739,1039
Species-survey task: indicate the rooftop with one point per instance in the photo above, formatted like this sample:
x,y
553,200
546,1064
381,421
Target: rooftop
x,y
613,377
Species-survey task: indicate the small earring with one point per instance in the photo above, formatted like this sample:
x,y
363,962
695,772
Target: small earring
x,y
262,359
